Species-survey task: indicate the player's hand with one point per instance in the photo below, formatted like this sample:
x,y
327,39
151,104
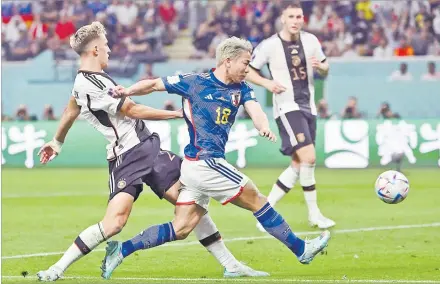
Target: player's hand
x,y
179,113
269,134
316,64
49,151
275,87
118,92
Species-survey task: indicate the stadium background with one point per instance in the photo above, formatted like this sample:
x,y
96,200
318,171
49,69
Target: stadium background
x,y
368,44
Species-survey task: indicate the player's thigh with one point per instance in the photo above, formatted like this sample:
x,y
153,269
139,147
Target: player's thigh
x,y
250,198
165,174
294,132
212,178
172,193
128,169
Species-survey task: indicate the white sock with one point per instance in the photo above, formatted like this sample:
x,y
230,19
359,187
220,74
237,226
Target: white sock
x,y
307,180
284,184
311,201
206,229
89,239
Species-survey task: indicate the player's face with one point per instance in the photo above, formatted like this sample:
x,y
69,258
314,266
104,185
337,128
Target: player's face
x,y
239,67
293,20
103,51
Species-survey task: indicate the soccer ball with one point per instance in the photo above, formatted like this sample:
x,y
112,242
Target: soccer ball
x,y
392,187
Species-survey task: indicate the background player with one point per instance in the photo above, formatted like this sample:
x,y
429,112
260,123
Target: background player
x,y
211,101
134,155
293,103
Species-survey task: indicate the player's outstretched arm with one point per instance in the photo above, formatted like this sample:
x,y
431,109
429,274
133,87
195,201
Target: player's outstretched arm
x,y
259,118
141,88
273,86
138,111
51,149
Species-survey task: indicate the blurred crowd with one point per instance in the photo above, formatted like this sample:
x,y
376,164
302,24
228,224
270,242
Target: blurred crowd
x,y
138,29
345,28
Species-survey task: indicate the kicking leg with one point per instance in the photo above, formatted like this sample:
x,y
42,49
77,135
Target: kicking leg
x,y
209,236
275,225
115,218
284,184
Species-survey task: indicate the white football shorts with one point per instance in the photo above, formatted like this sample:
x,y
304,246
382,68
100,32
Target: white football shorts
x,y
214,178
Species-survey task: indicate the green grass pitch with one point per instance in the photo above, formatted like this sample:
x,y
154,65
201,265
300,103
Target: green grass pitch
x,y
43,210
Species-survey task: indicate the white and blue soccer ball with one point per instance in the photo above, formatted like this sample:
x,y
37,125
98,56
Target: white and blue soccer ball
x,y
392,187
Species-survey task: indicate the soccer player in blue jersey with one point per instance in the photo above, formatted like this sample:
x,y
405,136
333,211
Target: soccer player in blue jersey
x,y
210,104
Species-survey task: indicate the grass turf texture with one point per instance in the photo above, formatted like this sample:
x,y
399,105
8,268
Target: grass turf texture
x,y
44,210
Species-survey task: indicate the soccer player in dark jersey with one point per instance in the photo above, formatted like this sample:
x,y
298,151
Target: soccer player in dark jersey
x,y
292,56
210,103
133,153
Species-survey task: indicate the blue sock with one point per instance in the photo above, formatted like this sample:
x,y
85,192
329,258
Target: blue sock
x,y
275,225
152,237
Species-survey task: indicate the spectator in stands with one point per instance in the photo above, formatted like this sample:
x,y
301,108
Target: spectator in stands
x,y
22,49
420,42
203,38
96,6
126,15
218,38
64,28
138,44
50,12
402,74
360,29
385,112
48,113
169,105
323,111
13,27
432,74
38,30
22,114
168,16
383,50
254,37
148,72
317,22
404,48
351,111
267,30
79,13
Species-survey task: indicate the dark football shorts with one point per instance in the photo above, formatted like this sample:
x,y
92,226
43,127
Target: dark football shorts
x,y
144,163
297,129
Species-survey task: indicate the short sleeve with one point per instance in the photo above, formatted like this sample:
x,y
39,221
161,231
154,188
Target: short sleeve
x,y
319,53
248,94
177,84
260,55
96,99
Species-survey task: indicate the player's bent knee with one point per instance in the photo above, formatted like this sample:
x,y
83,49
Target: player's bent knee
x,y
250,198
307,154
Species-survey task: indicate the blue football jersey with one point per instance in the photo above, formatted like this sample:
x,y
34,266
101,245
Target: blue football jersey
x,y
209,107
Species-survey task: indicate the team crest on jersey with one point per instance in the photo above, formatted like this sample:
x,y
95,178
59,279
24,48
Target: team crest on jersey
x,y
122,183
236,96
296,61
300,137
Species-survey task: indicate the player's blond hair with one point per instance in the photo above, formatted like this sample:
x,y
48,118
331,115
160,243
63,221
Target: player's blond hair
x,y
85,34
231,48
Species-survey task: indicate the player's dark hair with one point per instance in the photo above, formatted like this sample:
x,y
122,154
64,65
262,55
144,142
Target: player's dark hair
x,y
286,4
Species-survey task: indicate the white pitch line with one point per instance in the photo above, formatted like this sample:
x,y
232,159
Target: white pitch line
x,y
178,244
238,280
